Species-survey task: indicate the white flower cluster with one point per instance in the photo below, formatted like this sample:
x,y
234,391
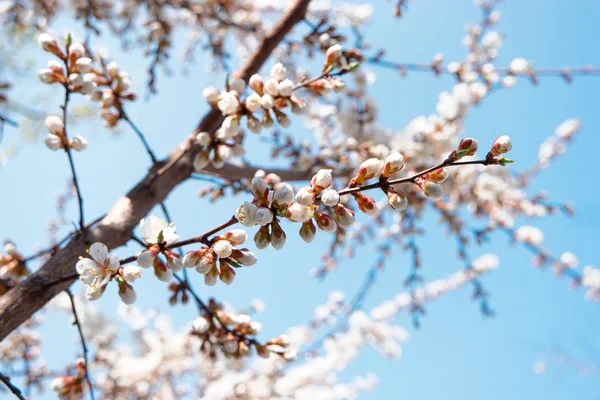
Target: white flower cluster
x,y
158,234
101,268
56,139
221,257
556,145
529,234
107,85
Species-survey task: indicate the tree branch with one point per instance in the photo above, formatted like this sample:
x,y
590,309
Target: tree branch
x,y
115,228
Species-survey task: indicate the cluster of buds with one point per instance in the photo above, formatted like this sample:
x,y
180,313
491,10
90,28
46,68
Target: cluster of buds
x,y
234,335
77,75
57,138
219,149
76,72
71,386
159,234
101,268
221,257
270,96
12,267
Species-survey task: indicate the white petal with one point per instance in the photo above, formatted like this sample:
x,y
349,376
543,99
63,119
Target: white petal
x,y
99,252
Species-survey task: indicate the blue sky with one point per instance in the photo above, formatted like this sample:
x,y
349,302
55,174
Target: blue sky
x,y
456,353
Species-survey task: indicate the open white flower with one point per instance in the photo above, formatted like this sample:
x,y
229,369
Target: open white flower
x,y
97,271
152,227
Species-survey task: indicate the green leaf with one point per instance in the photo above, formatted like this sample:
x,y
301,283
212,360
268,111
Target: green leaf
x,y
68,40
505,161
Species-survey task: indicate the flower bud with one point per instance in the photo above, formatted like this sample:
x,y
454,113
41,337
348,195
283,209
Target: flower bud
x,y
83,65
49,44
259,188
365,204
286,87
256,83
330,197
501,145
368,169
343,216
211,94
393,163
210,278
223,248
146,258
238,85
325,222
308,231
78,143
264,216
437,176
113,70
431,189
299,213
53,142
253,103
466,147
332,55
127,293
262,238
130,273
47,76
321,180
397,200
272,87
244,257
55,125
201,325
201,161
173,261
277,236
203,139
76,51
305,196
278,72
284,195
226,273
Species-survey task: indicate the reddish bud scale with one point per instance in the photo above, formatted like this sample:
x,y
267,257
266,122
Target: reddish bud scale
x,y
438,176
365,204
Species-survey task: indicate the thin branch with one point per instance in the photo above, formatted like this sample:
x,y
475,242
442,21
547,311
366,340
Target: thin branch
x,y
83,342
11,386
139,133
70,155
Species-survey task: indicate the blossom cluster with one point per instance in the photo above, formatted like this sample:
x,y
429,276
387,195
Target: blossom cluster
x,y
103,266
233,334
158,234
12,267
221,257
76,71
71,386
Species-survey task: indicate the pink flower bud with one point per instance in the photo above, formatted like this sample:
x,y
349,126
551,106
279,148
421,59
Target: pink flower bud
x,y
49,44
299,213
211,94
397,200
47,76
262,239
325,222
191,258
332,55
501,145
235,236
365,204
368,169
210,278
393,163
343,216
53,142
264,216
146,258
308,231
78,143
437,176
162,272
466,147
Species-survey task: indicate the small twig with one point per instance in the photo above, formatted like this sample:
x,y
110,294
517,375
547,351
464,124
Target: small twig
x,y
83,342
139,133
11,386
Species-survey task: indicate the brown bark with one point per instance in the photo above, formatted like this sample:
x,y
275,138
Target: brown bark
x,y
116,227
